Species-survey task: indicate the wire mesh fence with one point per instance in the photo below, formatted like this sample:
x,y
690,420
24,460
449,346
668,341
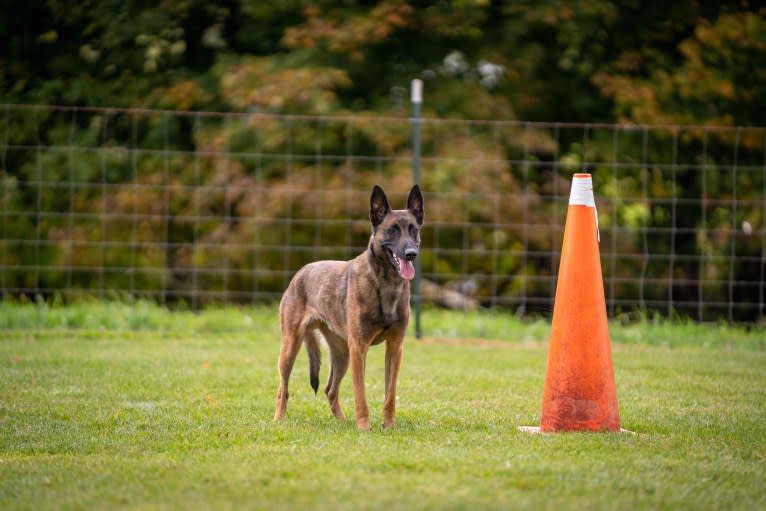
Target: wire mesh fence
x,y
200,207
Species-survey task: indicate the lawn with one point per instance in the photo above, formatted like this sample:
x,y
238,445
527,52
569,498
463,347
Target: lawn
x,y
107,406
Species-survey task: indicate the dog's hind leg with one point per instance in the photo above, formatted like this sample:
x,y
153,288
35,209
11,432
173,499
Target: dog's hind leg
x,y
291,344
338,367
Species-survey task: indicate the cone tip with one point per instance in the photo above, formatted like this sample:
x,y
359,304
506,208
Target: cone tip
x,y
582,191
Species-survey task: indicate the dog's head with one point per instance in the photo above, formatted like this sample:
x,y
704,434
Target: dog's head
x,y
397,231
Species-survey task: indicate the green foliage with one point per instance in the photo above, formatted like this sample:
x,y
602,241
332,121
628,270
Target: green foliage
x,y
536,60
548,60
718,76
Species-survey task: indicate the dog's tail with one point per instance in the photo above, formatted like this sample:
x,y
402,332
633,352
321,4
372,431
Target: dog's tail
x,y
315,359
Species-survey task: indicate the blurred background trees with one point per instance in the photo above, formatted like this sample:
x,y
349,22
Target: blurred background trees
x,y
647,63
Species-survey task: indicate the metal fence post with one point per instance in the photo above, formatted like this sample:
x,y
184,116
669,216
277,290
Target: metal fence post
x,y
417,99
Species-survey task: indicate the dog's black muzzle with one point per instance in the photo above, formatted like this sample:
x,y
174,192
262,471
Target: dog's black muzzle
x,y
410,253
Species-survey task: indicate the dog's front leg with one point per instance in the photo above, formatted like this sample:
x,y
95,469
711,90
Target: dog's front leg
x,y
394,348
358,355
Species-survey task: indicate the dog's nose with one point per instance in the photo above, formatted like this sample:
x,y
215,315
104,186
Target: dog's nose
x,y
410,253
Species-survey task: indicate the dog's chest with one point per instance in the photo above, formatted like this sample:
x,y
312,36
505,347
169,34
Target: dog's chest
x,y
390,302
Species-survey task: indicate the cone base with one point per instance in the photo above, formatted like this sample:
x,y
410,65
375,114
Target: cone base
x,y
535,430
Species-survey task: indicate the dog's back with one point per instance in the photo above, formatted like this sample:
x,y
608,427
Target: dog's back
x,y
311,289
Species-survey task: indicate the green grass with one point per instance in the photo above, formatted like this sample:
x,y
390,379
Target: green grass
x,y
106,406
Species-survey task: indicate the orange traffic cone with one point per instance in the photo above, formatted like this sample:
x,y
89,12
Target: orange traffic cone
x,y
579,392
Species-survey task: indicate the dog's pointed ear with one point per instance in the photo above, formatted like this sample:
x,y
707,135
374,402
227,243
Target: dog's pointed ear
x,y
378,206
415,204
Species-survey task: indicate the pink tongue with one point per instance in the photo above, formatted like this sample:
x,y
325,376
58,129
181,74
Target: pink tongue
x,y
406,269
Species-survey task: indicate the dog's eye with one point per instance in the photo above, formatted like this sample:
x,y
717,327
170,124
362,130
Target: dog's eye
x,y
393,230
413,231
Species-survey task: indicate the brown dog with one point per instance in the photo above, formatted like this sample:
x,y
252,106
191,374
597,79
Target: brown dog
x,y
355,304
